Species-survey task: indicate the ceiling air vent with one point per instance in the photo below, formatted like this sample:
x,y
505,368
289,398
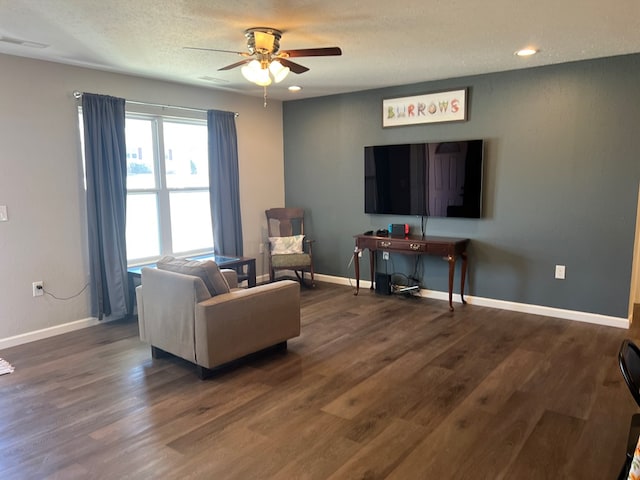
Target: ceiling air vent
x,y
22,43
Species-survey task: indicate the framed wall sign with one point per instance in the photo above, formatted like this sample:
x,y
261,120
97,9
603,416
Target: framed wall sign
x,y
449,106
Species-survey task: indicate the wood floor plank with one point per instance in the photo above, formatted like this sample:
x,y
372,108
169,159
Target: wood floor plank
x,y
401,402
569,391
381,455
364,394
599,450
440,453
545,453
502,439
197,438
290,456
500,385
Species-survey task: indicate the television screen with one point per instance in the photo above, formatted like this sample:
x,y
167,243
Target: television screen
x,y
437,179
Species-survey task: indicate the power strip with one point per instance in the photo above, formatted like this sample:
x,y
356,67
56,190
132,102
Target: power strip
x,y
405,289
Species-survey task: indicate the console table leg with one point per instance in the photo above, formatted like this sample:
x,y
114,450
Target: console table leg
x,y
463,276
372,266
452,269
356,264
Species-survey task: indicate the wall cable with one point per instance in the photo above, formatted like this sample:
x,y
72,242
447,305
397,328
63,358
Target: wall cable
x,y
66,298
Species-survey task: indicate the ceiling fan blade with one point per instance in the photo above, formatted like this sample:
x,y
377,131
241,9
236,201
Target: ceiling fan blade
x,y
243,54
294,67
234,65
312,52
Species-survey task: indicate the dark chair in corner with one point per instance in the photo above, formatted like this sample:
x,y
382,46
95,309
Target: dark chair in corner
x,y
288,247
629,362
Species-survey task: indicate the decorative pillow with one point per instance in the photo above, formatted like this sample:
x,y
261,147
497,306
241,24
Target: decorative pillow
x,y
286,245
207,270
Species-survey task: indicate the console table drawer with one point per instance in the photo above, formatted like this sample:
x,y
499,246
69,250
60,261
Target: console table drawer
x,y
436,249
403,246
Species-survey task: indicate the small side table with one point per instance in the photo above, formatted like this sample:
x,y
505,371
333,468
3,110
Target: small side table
x,y
245,267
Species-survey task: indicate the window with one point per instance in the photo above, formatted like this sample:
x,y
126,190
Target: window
x,y
168,210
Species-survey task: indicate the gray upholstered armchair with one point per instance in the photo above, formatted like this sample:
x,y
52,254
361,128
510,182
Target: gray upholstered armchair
x,y
194,311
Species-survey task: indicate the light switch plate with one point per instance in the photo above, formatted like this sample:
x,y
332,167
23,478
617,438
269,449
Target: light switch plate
x,y
4,216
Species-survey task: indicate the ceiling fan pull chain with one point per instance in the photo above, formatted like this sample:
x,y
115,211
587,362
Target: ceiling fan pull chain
x,y
265,96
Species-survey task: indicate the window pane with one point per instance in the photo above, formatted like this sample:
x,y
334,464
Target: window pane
x,y
143,239
140,164
186,153
190,221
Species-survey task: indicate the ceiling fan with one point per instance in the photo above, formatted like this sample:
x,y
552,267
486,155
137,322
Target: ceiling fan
x,y
265,61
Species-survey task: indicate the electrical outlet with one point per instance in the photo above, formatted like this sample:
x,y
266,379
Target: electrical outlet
x,y
261,248
38,288
385,255
560,272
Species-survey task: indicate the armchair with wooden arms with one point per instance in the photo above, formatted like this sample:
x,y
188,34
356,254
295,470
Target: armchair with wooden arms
x,y
288,247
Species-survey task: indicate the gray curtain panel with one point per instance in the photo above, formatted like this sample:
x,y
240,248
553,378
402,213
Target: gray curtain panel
x,y
224,183
106,170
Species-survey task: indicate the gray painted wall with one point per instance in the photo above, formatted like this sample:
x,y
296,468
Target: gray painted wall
x,y
561,181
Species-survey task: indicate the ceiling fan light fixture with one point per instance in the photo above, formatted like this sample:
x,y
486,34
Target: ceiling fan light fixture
x,y
264,39
278,71
251,71
263,79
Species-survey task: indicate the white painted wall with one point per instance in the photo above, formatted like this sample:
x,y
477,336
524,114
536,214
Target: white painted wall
x,y
41,183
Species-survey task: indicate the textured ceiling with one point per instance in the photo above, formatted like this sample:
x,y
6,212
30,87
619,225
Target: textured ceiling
x,y
383,42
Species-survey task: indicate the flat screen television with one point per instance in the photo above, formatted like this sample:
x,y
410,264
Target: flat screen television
x,y
435,179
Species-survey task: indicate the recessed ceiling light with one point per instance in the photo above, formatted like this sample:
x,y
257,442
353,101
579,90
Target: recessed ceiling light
x,y
295,88
526,52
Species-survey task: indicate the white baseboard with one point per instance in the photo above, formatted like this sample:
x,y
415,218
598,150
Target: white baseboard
x,y
503,305
46,332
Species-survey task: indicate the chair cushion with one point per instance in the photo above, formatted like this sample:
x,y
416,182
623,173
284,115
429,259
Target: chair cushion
x,y
207,270
286,245
291,260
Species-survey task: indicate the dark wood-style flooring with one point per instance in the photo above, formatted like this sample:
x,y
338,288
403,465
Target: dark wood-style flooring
x,y
376,387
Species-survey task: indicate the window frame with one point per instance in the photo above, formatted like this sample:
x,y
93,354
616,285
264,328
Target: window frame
x,y
161,190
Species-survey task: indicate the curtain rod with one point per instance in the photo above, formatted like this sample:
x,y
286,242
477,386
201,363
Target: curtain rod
x,y
78,95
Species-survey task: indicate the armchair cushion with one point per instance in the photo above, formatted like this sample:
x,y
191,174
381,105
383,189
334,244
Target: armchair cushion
x,y
231,276
208,271
286,245
292,260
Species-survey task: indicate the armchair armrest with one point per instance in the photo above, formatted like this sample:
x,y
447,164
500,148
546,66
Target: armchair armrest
x,y
309,245
240,322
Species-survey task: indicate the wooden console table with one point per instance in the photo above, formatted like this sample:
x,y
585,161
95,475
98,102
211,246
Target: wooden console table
x,y
447,247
